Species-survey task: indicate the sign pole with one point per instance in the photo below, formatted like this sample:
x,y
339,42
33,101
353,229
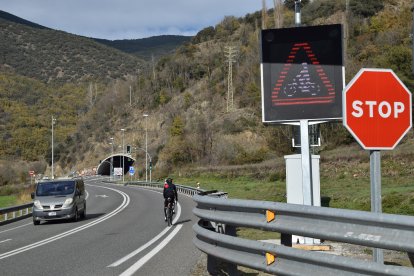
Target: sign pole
x,y
306,168
306,163
376,205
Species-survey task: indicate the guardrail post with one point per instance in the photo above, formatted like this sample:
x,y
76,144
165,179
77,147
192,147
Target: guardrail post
x,y
232,268
411,257
286,239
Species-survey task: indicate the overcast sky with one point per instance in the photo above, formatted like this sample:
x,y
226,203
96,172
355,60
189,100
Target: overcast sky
x,y
129,19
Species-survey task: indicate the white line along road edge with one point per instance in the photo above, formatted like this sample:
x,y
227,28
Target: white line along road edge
x,y
121,207
134,268
143,247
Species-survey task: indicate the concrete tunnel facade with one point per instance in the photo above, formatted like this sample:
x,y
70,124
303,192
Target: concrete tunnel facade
x,y
104,168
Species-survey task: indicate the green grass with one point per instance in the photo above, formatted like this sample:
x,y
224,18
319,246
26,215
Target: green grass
x,y
239,187
6,201
348,188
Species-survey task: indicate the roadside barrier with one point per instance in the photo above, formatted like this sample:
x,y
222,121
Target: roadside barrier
x,y
377,230
14,213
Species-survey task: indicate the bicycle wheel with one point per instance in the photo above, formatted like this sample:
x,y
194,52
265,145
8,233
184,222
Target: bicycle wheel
x,y
169,216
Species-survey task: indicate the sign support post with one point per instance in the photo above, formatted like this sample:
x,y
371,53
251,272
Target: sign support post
x,y
377,98
306,168
306,163
376,204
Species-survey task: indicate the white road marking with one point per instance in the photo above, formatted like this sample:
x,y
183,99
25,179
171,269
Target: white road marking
x,y
135,267
120,208
5,240
156,238
14,228
104,196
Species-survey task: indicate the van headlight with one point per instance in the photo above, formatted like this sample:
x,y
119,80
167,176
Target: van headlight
x,y
68,202
37,204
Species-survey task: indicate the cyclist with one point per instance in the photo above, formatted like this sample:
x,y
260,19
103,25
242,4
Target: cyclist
x,y
170,191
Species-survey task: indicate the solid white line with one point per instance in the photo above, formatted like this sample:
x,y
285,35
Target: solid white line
x,y
121,207
156,238
16,227
135,267
5,240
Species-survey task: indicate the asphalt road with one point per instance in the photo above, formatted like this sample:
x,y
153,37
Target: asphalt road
x,y
124,233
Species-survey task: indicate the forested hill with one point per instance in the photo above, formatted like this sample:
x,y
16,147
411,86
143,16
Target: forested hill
x,y
192,122
146,48
12,18
48,55
32,50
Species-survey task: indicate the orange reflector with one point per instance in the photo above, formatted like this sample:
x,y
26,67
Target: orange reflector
x,y
270,258
270,215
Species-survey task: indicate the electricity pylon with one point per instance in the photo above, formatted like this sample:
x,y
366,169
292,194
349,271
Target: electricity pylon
x,y
230,53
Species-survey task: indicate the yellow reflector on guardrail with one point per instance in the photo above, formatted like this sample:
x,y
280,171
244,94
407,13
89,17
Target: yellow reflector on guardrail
x,y
270,258
270,215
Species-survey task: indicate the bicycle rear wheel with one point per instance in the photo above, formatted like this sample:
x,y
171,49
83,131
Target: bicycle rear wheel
x,y
169,216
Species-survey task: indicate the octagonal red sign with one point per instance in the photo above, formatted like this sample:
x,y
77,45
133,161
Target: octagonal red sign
x,y
377,109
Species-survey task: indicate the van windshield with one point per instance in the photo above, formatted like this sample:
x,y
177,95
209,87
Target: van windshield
x,y
55,188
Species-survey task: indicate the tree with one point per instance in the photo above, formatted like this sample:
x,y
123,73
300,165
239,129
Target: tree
x,y
366,8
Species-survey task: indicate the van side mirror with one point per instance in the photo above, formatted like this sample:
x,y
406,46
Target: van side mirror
x,y
32,195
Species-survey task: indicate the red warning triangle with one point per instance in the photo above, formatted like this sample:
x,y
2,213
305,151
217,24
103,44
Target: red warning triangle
x,y
302,83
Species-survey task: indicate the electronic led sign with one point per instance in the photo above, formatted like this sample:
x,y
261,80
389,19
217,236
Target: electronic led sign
x,y
302,73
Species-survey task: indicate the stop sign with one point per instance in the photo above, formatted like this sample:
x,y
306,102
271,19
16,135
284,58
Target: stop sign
x,y
377,109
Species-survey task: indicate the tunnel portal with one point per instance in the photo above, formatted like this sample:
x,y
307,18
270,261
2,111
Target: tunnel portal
x,y
104,168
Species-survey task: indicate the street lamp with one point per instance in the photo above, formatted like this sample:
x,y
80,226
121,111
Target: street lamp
x,y
111,174
146,148
147,155
53,122
123,152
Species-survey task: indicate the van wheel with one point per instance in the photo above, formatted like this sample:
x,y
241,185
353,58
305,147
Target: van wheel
x,y
36,222
83,214
76,216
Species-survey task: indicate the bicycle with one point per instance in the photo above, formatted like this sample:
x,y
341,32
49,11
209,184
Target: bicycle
x,y
169,211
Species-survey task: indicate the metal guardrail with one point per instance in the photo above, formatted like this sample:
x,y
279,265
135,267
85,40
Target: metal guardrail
x,y
190,191
10,214
186,190
395,232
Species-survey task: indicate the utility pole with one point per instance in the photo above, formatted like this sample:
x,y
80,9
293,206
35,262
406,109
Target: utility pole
x,y
53,172
153,66
346,30
412,40
278,13
230,53
130,96
264,14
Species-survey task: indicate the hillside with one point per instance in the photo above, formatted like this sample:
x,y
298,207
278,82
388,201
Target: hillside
x,y
189,128
146,48
186,93
55,56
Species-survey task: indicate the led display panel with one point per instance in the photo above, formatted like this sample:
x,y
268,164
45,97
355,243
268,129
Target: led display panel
x,y
302,73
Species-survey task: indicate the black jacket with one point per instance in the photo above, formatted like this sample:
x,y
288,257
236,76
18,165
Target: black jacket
x,y
170,190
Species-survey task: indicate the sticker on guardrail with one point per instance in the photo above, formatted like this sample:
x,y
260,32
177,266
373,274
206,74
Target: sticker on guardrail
x,y
270,258
270,215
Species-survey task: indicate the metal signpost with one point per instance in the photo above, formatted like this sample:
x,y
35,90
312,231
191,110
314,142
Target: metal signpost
x,y
131,171
377,112
302,82
32,174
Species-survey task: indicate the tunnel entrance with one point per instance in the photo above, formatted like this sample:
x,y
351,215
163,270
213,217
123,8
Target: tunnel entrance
x,y
104,168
